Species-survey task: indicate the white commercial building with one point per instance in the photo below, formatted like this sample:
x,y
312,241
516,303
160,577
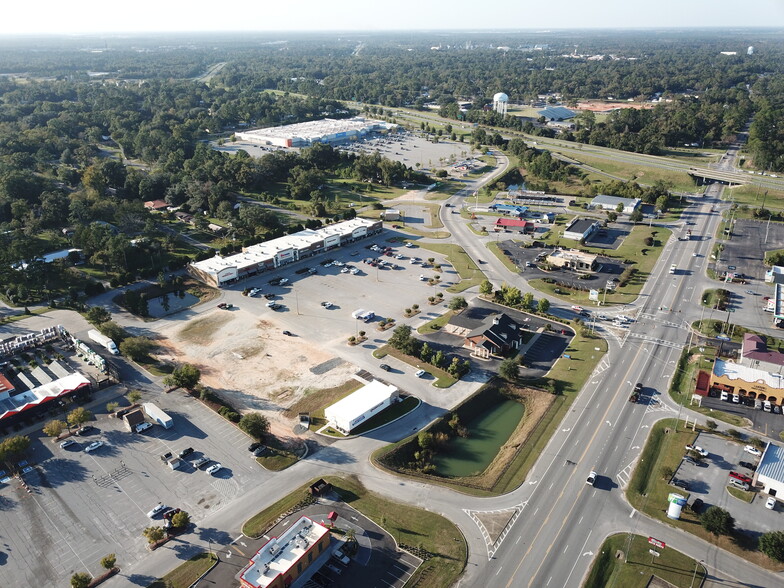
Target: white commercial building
x,y
327,130
356,408
770,471
219,271
606,202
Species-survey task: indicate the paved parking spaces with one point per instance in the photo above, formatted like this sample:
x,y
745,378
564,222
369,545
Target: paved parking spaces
x,y
767,423
400,571
750,239
387,292
85,505
709,482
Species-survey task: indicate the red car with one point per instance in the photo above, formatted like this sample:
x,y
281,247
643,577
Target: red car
x,y
740,477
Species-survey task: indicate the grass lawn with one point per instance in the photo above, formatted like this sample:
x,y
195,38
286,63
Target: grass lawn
x,y
469,272
671,566
442,378
684,381
426,234
277,458
743,495
411,526
648,491
436,323
23,315
753,196
388,415
262,520
315,401
186,574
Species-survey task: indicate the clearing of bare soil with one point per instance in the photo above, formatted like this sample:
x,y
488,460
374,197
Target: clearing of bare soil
x,y
249,362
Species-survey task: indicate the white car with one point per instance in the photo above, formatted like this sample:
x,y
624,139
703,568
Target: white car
x,y
355,271
409,245
141,427
254,292
214,468
93,446
770,503
271,303
420,373
697,449
156,509
326,304
67,443
344,270
283,281
751,449
400,256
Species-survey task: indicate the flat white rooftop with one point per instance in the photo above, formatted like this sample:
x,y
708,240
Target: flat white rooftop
x,y
315,129
279,554
735,371
359,402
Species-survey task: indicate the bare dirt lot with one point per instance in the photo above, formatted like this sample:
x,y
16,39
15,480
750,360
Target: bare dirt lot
x,y
250,363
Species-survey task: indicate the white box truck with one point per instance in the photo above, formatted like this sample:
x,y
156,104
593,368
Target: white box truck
x,y
673,268
102,339
156,414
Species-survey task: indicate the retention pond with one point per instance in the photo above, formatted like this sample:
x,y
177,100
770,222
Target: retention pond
x,y
486,435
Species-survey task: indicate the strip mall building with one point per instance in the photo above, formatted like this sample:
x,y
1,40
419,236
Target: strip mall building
x,y
221,271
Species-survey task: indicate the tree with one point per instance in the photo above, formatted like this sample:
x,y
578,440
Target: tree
x,y
54,428
528,301
426,353
667,472
81,580
718,521
438,358
184,376
425,440
13,448
636,216
255,424
402,340
133,396
112,406
711,425
543,306
181,520
509,369
772,545
486,288
153,534
78,416
98,314
457,303
137,348
108,561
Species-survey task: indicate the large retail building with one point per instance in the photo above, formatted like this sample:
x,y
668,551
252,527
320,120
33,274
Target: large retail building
x,y
328,130
219,271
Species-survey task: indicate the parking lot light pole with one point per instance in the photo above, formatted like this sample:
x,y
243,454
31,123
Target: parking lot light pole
x,y
694,576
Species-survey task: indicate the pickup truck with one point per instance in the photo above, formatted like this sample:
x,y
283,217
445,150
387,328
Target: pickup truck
x,y
591,478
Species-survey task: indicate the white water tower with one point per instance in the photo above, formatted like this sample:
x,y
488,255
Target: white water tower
x,y
750,50
500,102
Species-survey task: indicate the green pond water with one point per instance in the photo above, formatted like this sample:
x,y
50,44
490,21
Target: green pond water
x,y
487,433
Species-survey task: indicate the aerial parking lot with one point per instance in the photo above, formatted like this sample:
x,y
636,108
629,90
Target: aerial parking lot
x,y
707,480
83,506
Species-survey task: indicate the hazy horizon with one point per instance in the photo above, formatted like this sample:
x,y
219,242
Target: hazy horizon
x,y
88,17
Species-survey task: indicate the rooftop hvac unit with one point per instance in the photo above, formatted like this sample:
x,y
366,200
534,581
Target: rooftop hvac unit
x,y
274,549
265,569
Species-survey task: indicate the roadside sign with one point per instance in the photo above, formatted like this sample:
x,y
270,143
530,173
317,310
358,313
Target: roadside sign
x,y
657,543
593,295
654,553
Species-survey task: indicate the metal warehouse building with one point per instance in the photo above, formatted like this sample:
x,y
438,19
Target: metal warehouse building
x,y
219,271
357,408
770,471
327,130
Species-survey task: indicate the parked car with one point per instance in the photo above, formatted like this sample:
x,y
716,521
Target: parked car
x,y
67,443
270,304
156,509
385,367
214,468
269,296
741,477
697,449
142,427
259,451
689,459
93,446
254,292
697,505
200,462
168,514
85,430
420,373
254,446
327,304
753,450
185,452
681,484
770,503
288,333
748,465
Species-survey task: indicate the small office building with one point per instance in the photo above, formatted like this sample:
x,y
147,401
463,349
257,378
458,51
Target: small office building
x,y
580,229
605,202
573,259
282,560
770,471
358,407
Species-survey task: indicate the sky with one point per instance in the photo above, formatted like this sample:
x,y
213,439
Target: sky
x,y
101,16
